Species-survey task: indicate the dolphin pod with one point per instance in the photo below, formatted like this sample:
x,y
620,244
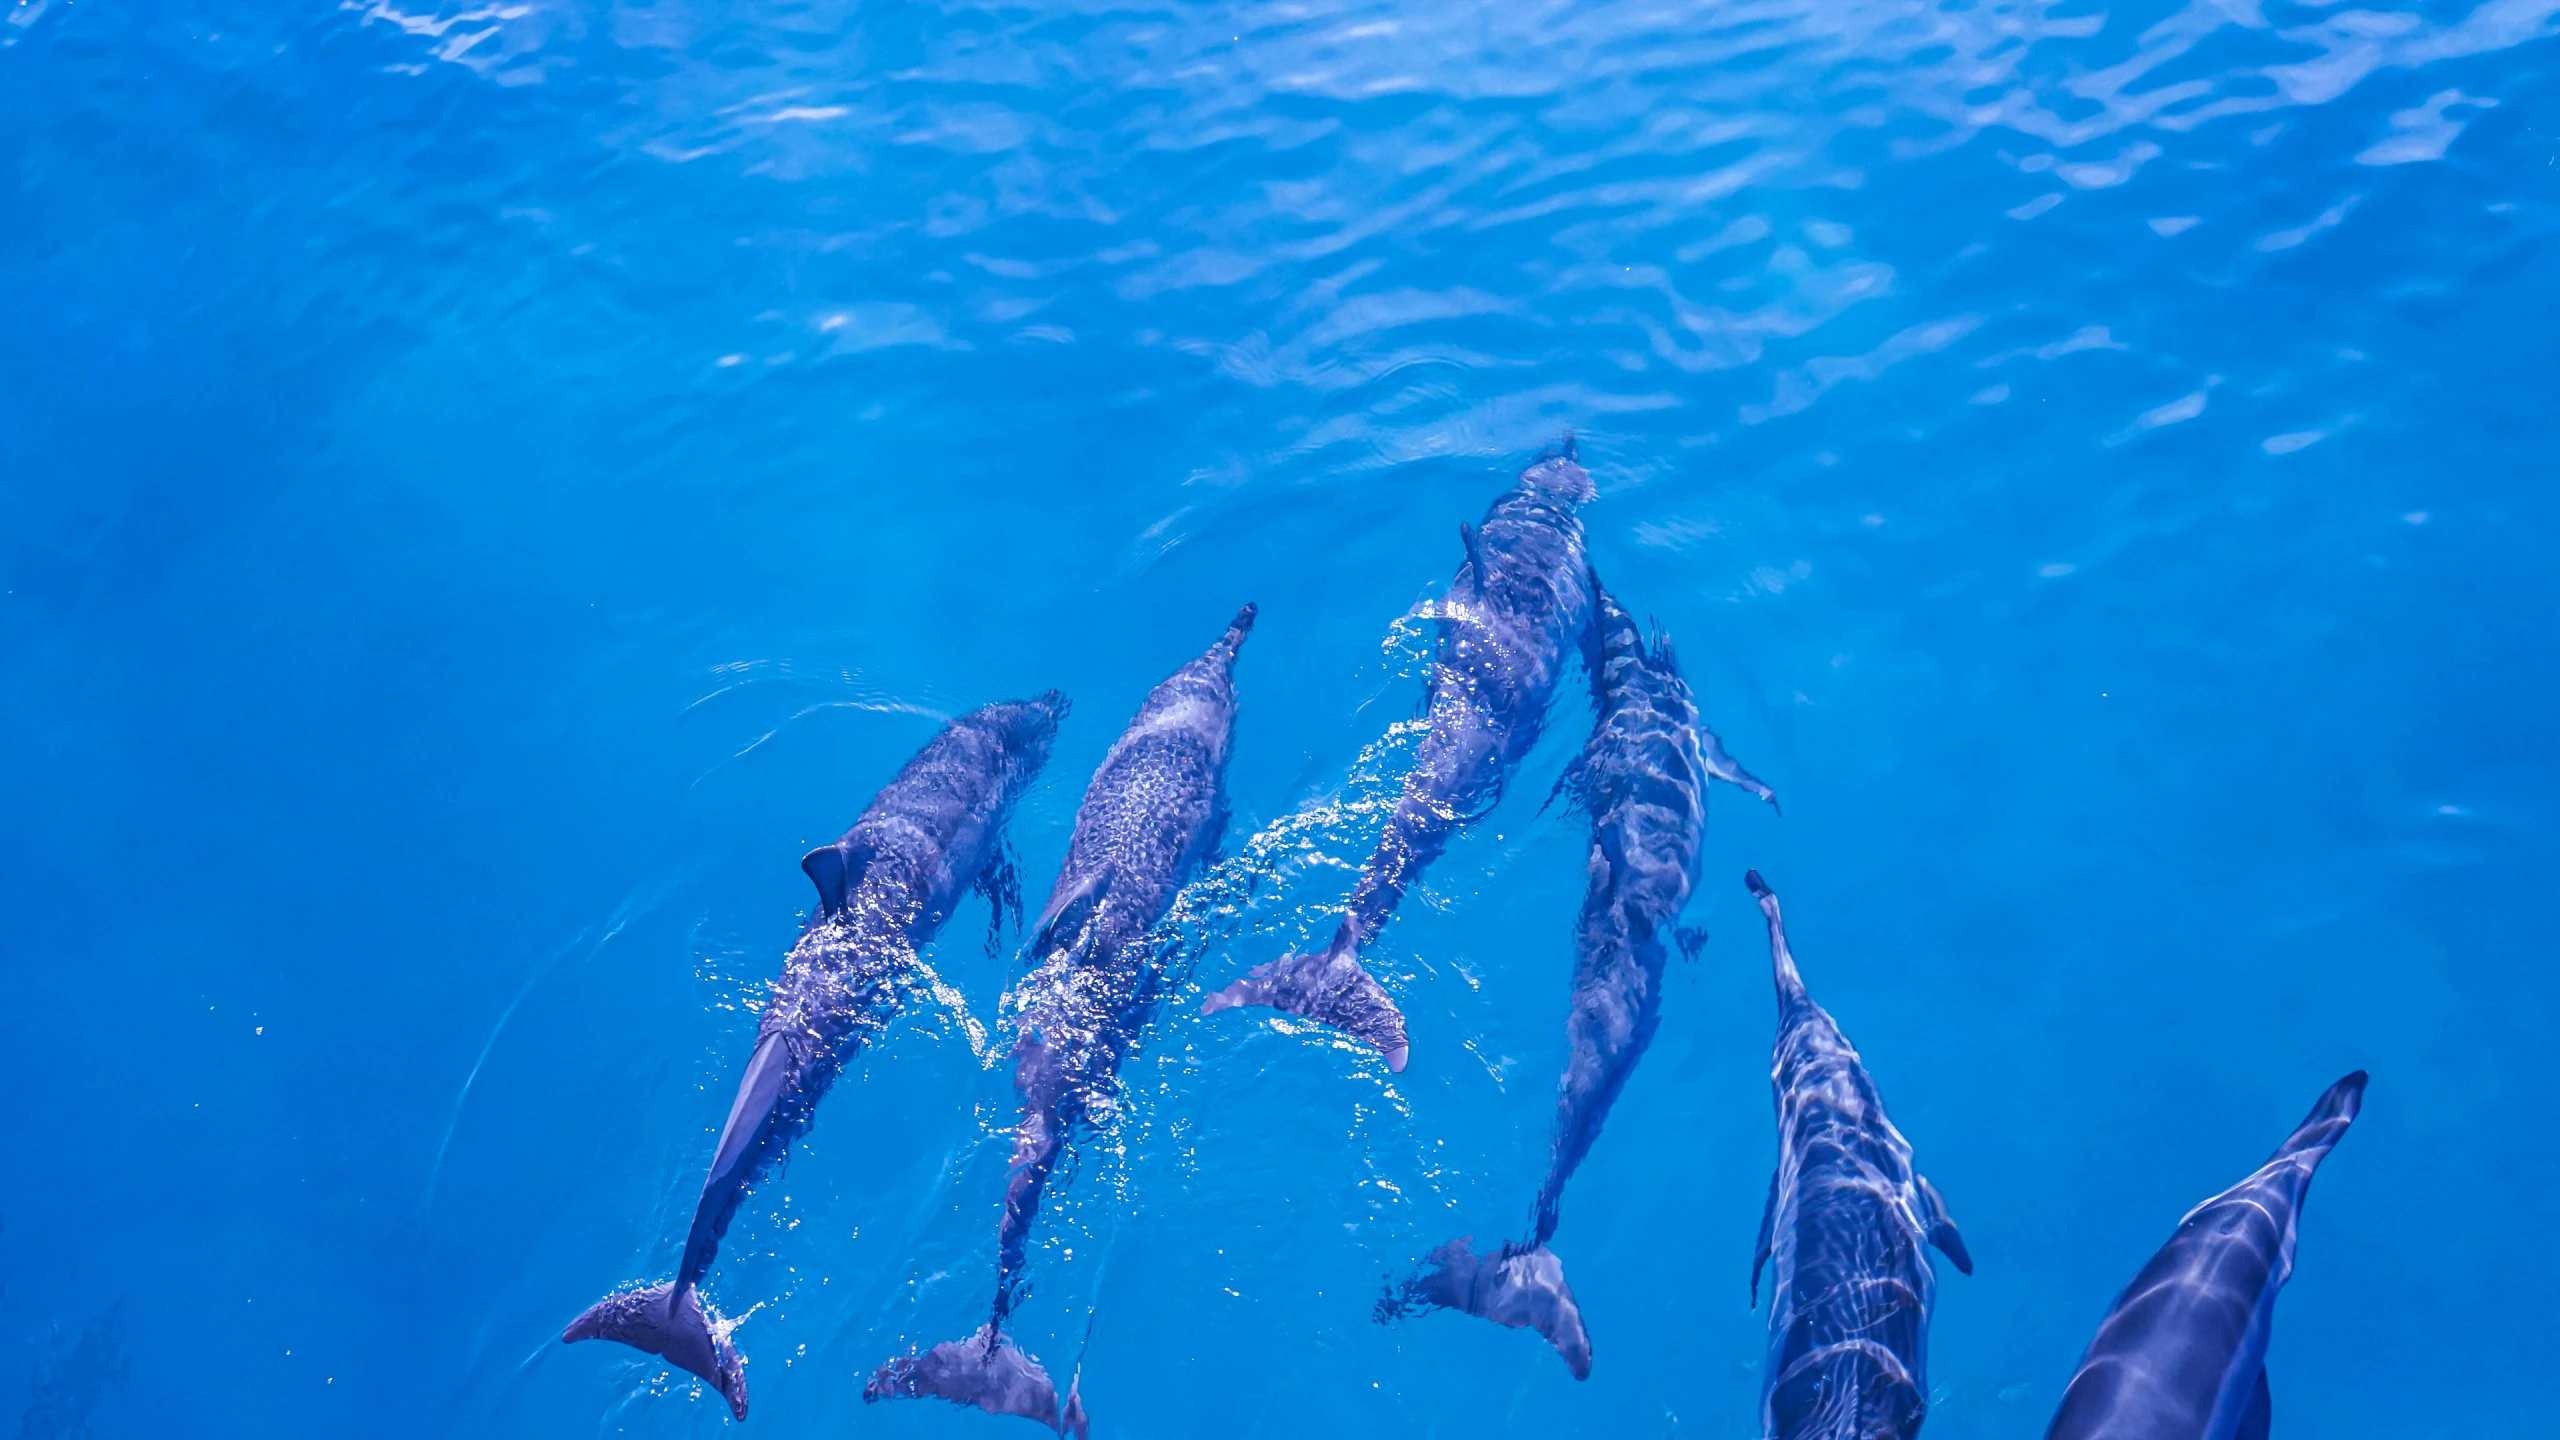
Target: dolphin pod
x,y
1643,780
1848,1220
884,890
1153,812
1520,604
2182,1356
1843,1234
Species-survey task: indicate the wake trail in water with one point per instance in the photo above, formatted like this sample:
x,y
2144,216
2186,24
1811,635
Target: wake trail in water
x,y
631,907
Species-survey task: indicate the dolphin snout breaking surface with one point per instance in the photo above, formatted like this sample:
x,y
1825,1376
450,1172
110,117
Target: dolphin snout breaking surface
x,y
1643,780
932,834
2183,1353
1151,816
1844,1236
1519,607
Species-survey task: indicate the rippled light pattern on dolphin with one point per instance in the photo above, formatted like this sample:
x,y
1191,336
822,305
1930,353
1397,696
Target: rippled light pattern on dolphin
x,y
1643,779
2183,1355
1844,1236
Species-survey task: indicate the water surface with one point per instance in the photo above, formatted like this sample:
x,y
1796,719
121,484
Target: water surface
x,y
482,489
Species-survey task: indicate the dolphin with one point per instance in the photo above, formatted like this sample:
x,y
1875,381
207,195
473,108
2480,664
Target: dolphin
x,y
932,833
1520,602
1152,815
1846,1224
1643,779
2183,1354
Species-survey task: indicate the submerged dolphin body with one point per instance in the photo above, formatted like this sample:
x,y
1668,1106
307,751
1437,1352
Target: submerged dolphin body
x,y
2182,1356
1151,816
1846,1224
931,833
1520,604
1643,778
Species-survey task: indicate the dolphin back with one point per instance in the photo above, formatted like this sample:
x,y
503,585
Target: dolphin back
x,y
935,828
1846,1232
1520,605
883,889
2182,1355
1150,816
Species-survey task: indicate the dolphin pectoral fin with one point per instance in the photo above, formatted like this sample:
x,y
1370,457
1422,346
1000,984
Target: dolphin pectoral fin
x,y
1522,1287
1721,766
669,1322
1942,1230
835,870
2260,1414
1329,986
985,1370
1760,1251
1944,1236
1569,784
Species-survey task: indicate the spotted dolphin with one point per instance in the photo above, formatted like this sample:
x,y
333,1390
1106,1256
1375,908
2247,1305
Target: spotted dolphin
x,y
2183,1354
1151,816
1844,1232
1520,605
884,890
1643,779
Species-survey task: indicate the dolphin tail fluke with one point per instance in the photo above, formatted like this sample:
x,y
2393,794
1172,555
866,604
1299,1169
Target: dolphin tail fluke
x,y
666,1321
1521,1286
1326,985
2327,1122
985,1370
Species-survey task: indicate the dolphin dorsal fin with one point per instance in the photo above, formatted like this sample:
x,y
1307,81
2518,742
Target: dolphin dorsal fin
x,y
1469,537
835,870
1069,914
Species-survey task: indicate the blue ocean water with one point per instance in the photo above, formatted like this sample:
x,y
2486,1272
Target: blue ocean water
x,y
483,488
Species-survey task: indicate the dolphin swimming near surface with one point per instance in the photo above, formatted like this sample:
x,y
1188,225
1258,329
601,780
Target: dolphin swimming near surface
x,y
2182,1356
933,832
1643,778
1152,816
1844,1232
1520,604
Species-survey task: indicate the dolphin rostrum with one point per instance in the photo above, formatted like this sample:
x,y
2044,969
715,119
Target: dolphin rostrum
x,y
1151,816
1519,605
1643,778
2183,1354
1846,1226
932,832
